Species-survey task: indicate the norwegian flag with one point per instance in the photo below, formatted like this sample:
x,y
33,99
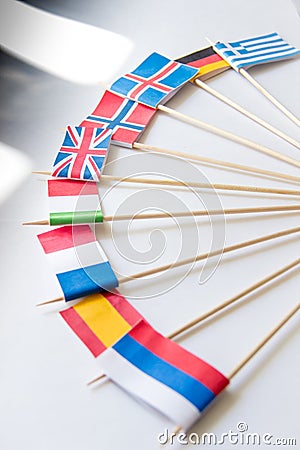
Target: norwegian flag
x,y
154,81
125,118
82,153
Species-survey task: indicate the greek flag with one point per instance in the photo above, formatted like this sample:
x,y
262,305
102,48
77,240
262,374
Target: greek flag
x,y
256,50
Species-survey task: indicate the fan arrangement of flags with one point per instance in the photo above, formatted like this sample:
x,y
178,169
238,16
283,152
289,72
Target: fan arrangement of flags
x,y
130,351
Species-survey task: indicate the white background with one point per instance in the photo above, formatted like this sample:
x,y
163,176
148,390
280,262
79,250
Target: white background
x,y
45,403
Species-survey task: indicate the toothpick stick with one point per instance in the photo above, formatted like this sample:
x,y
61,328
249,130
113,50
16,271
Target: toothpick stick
x,y
223,305
215,162
210,161
264,341
228,135
246,113
198,258
234,299
216,186
261,89
257,348
270,97
232,211
203,256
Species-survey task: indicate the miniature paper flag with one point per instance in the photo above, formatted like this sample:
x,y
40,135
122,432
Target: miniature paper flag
x,y
82,154
256,50
125,118
163,374
73,202
80,264
154,81
207,61
101,320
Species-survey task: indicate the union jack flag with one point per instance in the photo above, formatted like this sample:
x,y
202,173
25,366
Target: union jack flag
x,y
82,153
154,81
125,118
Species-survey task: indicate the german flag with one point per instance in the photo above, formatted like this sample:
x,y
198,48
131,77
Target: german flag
x,y
207,61
100,320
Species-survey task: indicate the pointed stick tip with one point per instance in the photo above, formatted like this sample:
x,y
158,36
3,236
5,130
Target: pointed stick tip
x,y
100,377
37,222
209,40
41,172
50,301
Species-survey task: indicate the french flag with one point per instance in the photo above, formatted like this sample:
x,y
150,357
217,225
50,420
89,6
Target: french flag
x,y
80,264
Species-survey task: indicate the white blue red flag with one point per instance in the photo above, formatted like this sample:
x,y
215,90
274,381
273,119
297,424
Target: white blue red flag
x,y
82,154
257,50
162,373
125,118
154,81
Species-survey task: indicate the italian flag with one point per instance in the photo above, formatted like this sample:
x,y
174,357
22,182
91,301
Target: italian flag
x,y
73,202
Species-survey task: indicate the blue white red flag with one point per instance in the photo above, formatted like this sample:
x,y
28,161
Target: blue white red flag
x,y
163,374
257,50
154,81
125,118
82,154
80,264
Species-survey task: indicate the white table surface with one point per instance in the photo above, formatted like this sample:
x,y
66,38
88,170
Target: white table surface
x,y
45,403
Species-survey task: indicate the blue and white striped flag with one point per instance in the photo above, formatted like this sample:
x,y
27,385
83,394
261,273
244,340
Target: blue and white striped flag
x,y
256,50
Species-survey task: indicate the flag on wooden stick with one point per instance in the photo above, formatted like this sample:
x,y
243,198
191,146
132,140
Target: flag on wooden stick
x,y
207,61
154,81
73,202
80,264
163,374
82,154
257,50
125,118
101,320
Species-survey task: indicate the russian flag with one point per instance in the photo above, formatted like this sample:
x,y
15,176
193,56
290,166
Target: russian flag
x,y
160,372
80,264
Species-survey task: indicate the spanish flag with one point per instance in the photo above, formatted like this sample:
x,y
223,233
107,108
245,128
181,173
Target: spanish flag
x,y
101,320
207,61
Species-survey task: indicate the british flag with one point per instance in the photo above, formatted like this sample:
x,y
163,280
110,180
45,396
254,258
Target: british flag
x,y
125,118
154,81
82,153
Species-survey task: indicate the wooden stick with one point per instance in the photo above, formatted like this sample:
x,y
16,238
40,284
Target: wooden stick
x,y
270,97
253,352
217,252
198,258
228,135
231,211
264,341
261,89
234,299
214,162
246,113
223,305
54,300
216,186
37,222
